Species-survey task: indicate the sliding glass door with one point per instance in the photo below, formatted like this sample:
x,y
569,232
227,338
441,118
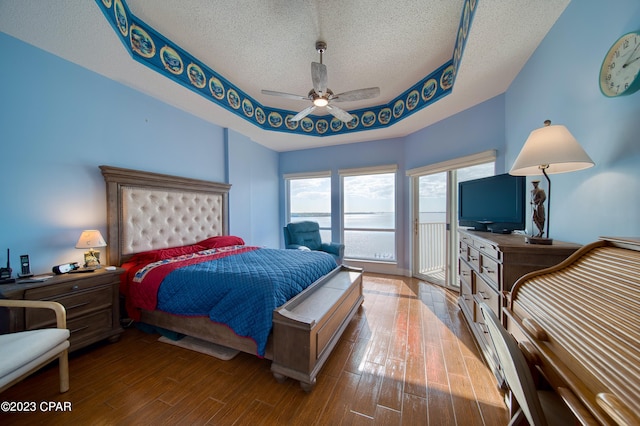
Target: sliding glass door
x,y
430,228
435,211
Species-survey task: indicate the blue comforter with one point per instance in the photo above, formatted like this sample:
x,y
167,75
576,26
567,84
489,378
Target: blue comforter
x,y
242,290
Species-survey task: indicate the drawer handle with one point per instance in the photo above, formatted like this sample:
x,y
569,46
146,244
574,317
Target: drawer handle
x,y
75,287
484,295
487,270
474,258
79,305
464,273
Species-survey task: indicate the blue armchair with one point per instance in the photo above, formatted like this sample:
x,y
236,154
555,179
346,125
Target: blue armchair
x,y
307,234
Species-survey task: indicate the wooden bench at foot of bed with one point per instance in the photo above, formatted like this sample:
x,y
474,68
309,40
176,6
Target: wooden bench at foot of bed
x,y
307,327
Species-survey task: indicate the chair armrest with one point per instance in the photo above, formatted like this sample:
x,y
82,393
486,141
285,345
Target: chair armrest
x,y
60,311
333,248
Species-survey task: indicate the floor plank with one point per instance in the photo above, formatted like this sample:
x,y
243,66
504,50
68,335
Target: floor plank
x,y
406,358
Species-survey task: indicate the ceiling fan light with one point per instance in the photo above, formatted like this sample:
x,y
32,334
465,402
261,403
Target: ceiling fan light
x,y
320,102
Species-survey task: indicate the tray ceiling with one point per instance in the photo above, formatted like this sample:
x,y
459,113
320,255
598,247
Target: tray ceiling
x,y
258,44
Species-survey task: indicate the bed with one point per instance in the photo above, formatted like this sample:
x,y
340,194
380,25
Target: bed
x,y
170,233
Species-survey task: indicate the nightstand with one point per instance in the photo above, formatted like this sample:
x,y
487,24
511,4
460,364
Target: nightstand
x,y
91,300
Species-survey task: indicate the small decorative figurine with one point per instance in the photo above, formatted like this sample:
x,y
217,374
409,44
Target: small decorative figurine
x,y
538,198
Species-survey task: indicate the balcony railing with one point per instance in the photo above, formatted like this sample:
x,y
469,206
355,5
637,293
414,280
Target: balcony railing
x,y
432,258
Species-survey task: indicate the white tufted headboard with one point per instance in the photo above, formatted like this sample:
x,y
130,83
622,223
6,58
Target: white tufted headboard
x,y
148,211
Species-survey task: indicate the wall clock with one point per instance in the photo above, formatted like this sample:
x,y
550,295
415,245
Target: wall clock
x,y
620,71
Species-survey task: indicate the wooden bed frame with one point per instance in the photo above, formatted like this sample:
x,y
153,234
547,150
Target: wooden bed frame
x,y
148,211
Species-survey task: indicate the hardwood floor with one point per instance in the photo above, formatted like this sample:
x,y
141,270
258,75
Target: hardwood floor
x,y
407,358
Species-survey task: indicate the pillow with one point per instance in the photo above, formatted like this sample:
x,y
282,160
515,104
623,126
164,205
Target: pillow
x,y
166,253
222,241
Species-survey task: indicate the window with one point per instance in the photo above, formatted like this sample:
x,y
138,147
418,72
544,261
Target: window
x,y
369,213
309,198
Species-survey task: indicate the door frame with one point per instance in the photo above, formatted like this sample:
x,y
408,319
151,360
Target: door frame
x,y
451,245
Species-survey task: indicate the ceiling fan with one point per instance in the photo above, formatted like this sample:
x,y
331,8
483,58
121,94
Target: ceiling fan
x,y
321,96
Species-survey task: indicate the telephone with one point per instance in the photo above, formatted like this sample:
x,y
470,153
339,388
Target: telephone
x,y
25,269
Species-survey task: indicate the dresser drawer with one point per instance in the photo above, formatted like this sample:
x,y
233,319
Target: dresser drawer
x,y
474,258
464,272
490,270
464,238
466,294
488,250
76,304
463,250
48,292
485,293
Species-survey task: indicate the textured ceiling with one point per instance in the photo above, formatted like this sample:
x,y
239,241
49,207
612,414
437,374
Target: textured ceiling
x,y
269,44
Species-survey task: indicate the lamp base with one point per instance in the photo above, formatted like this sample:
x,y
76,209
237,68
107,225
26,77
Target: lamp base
x,y
92,259
539,240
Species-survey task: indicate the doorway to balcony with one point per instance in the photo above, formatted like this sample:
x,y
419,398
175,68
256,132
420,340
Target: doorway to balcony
x,y
434,215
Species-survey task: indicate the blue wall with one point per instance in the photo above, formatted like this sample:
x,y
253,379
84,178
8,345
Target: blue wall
x,y
253,199
59,122
560,83
475,130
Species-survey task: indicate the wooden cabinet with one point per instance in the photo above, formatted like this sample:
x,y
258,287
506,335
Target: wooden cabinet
x,y
488,265
90,299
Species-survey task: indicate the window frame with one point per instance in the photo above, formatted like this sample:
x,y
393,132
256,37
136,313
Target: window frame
x,y
300,176
364,171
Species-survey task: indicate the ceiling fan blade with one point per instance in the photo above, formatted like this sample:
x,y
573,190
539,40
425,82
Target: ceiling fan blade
x,y
319,77
340,114
357,95
302,114
285,95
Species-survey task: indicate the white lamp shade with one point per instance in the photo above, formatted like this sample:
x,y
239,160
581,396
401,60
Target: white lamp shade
x,y
90,239
553,147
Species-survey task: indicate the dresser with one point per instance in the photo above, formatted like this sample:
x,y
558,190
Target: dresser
x,y
91,301
488,265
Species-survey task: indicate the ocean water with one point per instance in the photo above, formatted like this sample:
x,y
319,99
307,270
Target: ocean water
x,y
367,245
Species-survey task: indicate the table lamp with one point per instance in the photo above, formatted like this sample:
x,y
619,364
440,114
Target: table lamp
x,y
548,150
91,239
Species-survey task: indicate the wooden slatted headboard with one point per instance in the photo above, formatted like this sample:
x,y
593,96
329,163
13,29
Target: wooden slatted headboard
x,y
148,211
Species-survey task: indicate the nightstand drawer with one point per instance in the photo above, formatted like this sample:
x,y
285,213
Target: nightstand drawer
x,y
76,304
88,327
74,283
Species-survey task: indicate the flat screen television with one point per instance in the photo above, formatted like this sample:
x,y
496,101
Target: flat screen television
x,y
495,203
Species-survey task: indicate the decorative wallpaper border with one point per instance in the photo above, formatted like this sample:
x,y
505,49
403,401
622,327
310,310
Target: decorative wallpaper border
x,y
152,49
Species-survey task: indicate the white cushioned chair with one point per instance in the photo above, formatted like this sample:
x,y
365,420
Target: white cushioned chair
x,y
22,353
